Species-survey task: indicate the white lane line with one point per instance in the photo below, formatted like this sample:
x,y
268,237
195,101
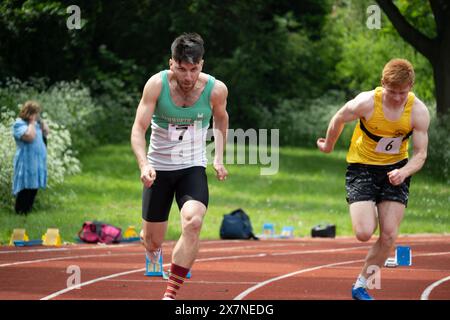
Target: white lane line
x,y
110,254
302,241
426,293
67,258
103,246
190,281
262,284
58,293
224,258
115,275
431,254
137,245
113,246
245,247
245,293
319,251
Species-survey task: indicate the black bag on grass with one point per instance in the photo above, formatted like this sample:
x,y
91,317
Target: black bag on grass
x,y
324,231
236,225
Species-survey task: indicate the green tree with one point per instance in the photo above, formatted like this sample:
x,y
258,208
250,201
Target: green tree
x,y
435,48
364,52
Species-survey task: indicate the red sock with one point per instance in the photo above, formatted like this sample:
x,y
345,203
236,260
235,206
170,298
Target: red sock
x,y
176,280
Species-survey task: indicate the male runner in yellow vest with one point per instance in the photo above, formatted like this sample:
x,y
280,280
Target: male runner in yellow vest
x,y
378,172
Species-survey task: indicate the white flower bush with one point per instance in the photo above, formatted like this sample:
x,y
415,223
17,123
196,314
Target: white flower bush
x,y
61,160
68,104
7,151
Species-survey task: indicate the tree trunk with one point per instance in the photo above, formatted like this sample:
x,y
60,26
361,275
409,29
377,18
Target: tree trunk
x,y
441,68
441,61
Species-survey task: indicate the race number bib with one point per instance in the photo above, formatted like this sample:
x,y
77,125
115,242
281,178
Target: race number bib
x,y
181,132
389,145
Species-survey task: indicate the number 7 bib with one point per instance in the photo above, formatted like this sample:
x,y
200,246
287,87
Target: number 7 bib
x,y
178,132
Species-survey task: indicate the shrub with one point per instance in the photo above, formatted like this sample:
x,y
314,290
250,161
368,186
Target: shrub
x,y
66,103
302,122
7,150
438,160
61,160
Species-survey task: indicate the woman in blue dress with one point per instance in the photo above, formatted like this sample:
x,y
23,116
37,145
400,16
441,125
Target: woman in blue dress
x,y
30,160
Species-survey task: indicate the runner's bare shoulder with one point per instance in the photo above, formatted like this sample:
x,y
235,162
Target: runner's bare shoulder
x,y
420,114
363,104
153,86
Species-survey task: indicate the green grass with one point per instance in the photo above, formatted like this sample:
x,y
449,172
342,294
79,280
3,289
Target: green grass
x,y
308,190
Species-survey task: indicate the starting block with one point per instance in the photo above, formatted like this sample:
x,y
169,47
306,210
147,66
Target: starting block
x,y
287,233
269,232
268,229
18,235
29,243
391,263
51,237
130,235
157,269
130,232
403,256
131,239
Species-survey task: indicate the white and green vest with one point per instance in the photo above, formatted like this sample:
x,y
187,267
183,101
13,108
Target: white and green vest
x,y
178,138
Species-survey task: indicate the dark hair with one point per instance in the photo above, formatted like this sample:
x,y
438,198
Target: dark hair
x,y
188,48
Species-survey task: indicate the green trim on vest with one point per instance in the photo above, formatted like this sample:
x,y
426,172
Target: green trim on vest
x,y
167,112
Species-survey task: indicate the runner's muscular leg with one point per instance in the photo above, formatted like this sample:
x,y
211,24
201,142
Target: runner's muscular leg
x,y
153,234
364,219
390,216
185,251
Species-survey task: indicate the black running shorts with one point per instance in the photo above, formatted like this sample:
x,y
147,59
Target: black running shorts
x,y
371,183
185,184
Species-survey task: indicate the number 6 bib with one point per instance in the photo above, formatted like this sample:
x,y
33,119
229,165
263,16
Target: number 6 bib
x,y
389,145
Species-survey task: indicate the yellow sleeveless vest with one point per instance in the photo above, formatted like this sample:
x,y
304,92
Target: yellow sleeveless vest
x,y
379,141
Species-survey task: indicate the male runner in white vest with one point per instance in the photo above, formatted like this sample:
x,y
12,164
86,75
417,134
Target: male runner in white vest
x,y
178,103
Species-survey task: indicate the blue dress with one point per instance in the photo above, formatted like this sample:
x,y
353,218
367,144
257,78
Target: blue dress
x,y
30,160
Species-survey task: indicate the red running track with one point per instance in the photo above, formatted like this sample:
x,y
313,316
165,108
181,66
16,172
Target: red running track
x,y
289,269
